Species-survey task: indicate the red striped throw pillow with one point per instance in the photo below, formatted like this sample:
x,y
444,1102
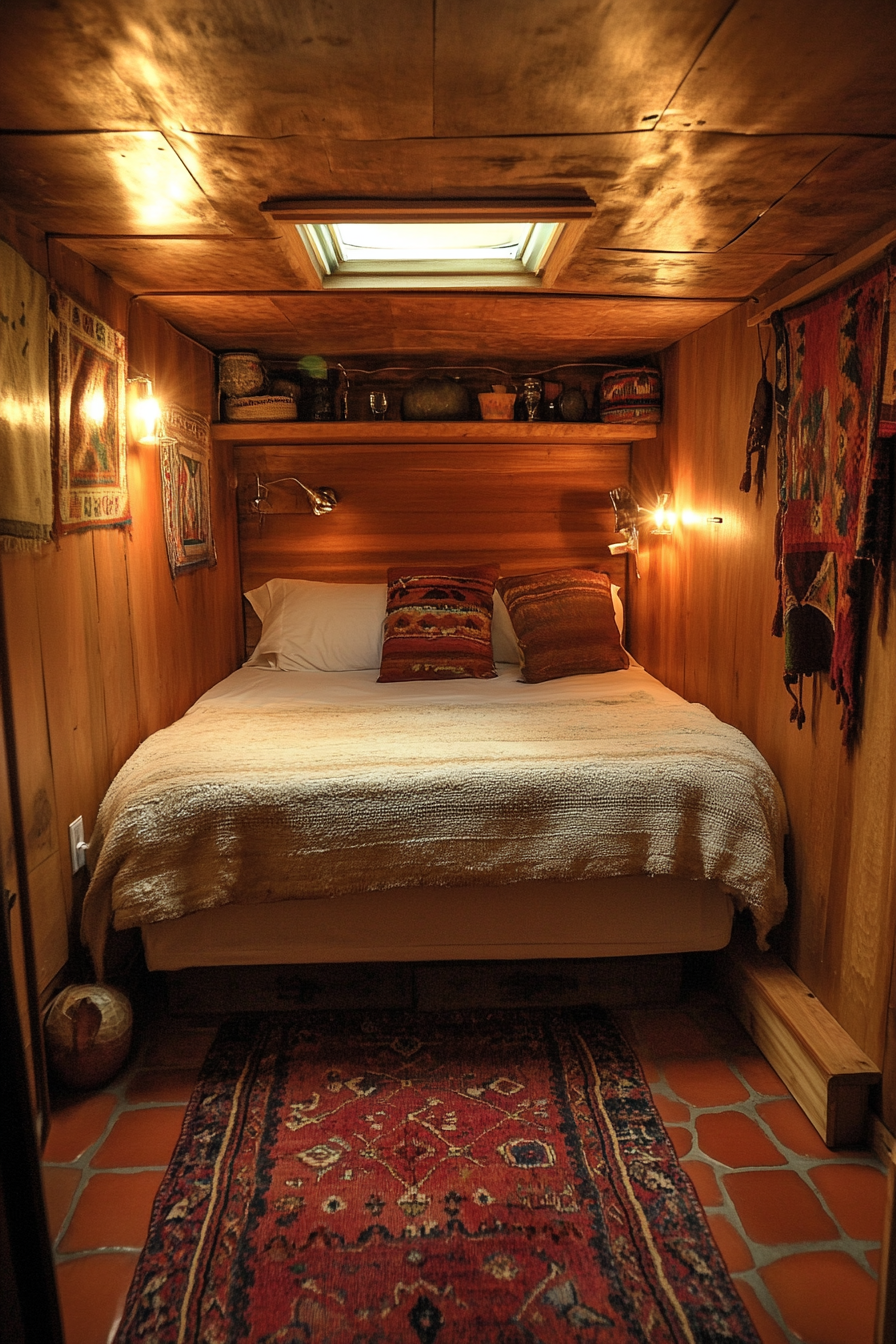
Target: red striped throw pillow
x,y
439,623
564,623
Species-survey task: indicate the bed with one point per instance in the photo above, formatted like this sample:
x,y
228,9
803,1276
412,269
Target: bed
x,y
297,816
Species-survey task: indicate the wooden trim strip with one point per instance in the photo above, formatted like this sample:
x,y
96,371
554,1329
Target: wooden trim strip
x,y
823,275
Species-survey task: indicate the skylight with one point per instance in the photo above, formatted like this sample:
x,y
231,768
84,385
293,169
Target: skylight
x,y
424,244
431,242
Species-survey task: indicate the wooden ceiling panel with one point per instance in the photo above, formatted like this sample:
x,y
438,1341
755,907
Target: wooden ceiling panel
x,y
726,274
169,265
521,67
807,67
122,182
480,326
268,68
666,192
237,174
850,194
228,322
54,76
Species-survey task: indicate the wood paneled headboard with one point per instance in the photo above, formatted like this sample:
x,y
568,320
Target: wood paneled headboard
x,y
527,496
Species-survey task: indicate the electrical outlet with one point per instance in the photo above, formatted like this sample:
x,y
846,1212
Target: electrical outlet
x,y
77,844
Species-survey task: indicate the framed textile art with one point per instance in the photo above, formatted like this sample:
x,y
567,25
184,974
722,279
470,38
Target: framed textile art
x,y
88,369
184,459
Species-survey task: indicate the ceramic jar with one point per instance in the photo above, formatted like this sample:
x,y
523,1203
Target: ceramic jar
x,y
497,405
240,373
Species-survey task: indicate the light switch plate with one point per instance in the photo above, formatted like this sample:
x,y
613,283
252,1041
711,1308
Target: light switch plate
x,y
77,845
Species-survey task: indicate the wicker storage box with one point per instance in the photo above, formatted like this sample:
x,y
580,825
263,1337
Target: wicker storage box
x,y
260,408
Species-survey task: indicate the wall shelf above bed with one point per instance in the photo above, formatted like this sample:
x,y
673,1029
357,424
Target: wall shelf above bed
x,y
416,432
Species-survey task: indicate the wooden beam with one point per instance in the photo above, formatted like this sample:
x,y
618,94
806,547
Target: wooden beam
x,y
420,211
822,276
827,1073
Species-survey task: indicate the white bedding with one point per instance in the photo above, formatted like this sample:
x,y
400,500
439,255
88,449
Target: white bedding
x,y
281,786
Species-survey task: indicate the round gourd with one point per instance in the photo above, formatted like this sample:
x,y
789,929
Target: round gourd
x,y
435,399
87,1031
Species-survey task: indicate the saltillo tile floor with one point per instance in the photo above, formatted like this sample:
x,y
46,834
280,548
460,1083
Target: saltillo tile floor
x,y
799,1226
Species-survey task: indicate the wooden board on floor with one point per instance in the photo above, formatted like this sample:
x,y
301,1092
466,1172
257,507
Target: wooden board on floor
x,y
821,1064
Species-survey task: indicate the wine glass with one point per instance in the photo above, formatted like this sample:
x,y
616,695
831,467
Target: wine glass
x,y
379,404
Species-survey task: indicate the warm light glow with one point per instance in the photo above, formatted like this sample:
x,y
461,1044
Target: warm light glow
x,y
664,519
146,419
94,407
144,413
692,519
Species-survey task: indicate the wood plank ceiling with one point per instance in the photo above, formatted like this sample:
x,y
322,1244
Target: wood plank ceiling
x,y
726,146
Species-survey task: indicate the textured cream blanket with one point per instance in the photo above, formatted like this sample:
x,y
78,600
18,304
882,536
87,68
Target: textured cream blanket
x,y
237,804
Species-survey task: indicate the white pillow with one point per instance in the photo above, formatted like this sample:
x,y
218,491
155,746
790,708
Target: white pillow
x,y
504,641
319,627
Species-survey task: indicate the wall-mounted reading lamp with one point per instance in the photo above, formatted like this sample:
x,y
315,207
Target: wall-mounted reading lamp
x,y
628,514
144,414
323,500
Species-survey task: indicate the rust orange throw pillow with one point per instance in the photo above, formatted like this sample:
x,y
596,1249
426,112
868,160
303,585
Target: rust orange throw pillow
x,y
439,624
564,623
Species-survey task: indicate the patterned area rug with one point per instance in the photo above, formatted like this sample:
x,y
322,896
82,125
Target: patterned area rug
x,y
451,1178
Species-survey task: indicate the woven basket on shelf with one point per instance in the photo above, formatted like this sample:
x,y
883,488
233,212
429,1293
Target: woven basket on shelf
x,y
260,408
631,396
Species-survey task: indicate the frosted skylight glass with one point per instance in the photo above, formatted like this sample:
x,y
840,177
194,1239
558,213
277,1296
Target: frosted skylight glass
x,y
431,242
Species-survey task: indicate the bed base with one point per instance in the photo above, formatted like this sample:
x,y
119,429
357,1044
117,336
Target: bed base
x,y
610,982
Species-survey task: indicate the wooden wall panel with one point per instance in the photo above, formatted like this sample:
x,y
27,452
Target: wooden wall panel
x,y
524,505
106,646
701,621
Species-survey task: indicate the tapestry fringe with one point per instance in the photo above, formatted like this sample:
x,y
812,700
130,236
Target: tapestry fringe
x,y
8,543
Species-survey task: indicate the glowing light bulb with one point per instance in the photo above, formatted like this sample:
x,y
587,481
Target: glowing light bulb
x,y
146,419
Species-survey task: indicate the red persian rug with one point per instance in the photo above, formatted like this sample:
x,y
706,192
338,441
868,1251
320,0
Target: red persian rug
x,y
452,1178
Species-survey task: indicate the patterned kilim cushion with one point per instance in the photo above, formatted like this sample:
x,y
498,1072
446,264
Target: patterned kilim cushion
x,y
564,622
439,624
427,1178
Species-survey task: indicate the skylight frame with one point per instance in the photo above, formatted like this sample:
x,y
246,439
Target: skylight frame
x,y
308,229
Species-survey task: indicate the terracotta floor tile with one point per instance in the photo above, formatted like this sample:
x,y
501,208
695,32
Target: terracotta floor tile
x,y
735,1251
791,1125
761,1076
670,1110
726,1033
650,1070
176,1047
736,1140
873,1258
776,1207
704,1181
162,1085
143,1138
113,1210
856,1195
92,1294
824,1297
767,1328
60,1183
704,1082
682,1140
669,1034
76,1123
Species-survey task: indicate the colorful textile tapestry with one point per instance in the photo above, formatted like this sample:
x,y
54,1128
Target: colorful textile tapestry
x,y
833,483
478,1178
439,624
185,460
26,479
90,438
